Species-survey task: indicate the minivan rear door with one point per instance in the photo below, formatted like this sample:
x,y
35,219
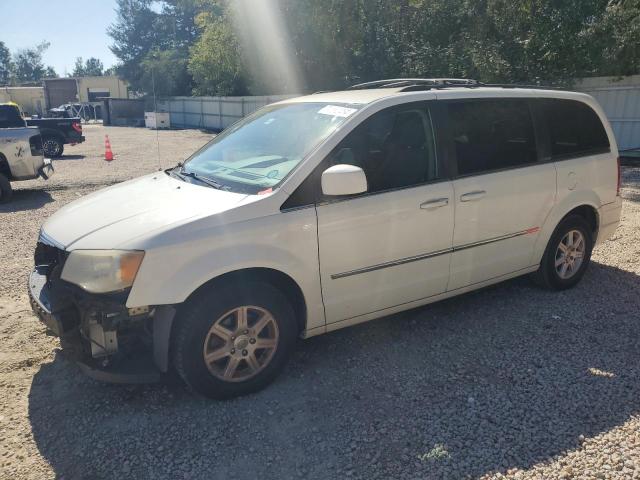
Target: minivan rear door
x,y
502,192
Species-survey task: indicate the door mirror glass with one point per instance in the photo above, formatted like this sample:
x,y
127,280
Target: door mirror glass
x,y
343,180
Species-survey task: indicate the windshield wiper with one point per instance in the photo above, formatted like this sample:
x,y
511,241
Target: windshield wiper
x,y
201,178
175,172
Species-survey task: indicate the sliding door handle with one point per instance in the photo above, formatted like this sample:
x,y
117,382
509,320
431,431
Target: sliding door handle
x,y
472,196
434,203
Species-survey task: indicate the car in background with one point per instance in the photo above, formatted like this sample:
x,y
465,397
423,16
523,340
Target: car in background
x,y
56,132
21,158
86,111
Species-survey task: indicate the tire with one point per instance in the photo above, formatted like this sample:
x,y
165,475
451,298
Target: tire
x,y
6,192
52,147
195,336
549,275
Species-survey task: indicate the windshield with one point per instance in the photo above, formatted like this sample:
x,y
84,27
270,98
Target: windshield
x,y
258,152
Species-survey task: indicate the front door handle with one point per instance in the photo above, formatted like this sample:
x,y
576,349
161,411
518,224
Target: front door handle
x,y
472,196
434,203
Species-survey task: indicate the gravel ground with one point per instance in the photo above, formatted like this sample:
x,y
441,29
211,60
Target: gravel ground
x,y
511,381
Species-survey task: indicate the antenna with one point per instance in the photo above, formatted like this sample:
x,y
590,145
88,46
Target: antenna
x,y
155,111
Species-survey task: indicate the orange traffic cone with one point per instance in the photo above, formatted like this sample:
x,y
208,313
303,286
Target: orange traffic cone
x,y
108,154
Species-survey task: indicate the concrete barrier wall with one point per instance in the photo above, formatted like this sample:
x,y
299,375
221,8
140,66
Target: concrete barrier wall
x,y
619,97
620,100
213,113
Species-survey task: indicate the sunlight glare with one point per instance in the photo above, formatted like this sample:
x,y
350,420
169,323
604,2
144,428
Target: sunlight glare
x,y
267,44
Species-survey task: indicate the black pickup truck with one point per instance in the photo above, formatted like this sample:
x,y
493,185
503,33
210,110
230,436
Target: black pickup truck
x,y
55,132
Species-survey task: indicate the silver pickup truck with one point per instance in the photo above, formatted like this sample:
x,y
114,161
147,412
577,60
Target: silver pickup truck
x,y
21,158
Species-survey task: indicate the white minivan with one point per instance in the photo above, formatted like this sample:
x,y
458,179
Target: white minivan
x,y
320,212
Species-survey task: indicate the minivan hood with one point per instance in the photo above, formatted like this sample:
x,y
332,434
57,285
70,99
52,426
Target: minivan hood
x,y
119,213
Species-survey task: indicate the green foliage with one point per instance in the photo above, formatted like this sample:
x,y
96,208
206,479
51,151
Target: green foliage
x,y
91,68
134,37
165,72
28,65
24,66
216,62
209,47
50,72
145,39
621,24
6,65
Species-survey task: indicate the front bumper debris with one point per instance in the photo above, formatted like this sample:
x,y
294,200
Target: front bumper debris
x,y
55,311
46,171
110,342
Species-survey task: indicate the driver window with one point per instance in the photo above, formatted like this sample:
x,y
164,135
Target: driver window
x,y
394,147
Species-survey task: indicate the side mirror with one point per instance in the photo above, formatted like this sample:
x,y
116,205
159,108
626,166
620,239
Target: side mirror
x,y
343,180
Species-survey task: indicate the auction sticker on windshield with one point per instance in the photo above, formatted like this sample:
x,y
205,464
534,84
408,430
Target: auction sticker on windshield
x,y
336,111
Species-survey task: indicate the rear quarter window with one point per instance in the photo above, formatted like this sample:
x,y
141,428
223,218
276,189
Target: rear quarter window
x,y
574,128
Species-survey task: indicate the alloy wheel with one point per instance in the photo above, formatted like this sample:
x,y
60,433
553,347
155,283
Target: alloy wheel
x,y
570,254
241,343
50,148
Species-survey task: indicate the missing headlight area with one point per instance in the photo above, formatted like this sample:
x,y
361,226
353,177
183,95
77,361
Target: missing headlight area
x,y
97,329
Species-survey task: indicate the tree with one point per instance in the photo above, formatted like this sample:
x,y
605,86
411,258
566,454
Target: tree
x,y
279,46
134,36
216,62
78,68
113,70
140,32
619,34
28,63
6,65
165,73
50,73
91,68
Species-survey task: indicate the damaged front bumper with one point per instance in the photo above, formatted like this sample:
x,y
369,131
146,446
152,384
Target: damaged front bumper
x,y
46,171
109,341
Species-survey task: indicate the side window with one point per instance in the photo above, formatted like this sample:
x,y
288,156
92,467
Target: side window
x,y
492,134
394,147
574,128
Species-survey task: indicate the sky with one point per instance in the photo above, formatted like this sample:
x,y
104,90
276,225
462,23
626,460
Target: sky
x,y
74,28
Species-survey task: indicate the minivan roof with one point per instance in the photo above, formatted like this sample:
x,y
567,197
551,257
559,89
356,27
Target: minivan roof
x,y
365,96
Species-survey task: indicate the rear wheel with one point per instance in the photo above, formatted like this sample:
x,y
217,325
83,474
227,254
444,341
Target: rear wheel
x,y
6,191
567,255
52,147
234,340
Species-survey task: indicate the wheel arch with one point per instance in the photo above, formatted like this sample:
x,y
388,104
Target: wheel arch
x,y
590,215
283,282
586,208
48,132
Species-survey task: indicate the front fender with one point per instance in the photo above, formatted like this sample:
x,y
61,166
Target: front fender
x,y
286,242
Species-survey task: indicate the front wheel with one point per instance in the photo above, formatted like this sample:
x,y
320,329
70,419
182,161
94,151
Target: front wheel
x,y
234,340
567,255
52,147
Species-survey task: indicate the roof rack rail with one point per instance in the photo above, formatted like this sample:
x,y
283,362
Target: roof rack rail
x,y
417,84
518,85
412,82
